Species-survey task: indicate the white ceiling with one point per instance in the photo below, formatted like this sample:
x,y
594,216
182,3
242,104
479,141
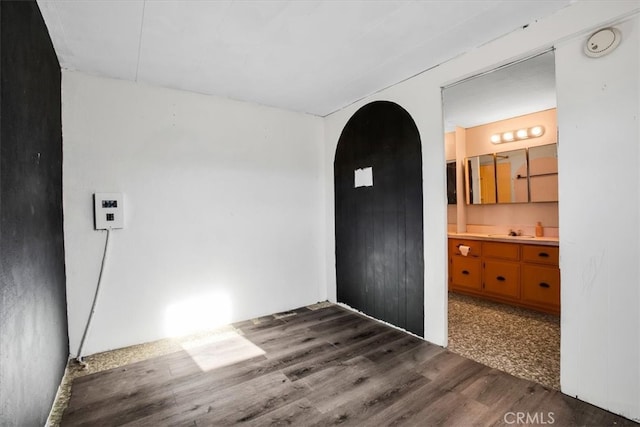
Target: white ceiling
x,y
515,90
311,56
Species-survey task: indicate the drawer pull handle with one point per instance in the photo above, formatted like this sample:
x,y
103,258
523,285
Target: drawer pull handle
x,y
500,278
544,285
465,272
543,255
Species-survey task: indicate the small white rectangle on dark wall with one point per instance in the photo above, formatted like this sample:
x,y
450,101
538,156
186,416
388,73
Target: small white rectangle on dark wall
x,y
363,177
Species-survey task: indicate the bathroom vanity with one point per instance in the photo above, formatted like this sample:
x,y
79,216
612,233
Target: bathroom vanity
x,y
503,176
513,270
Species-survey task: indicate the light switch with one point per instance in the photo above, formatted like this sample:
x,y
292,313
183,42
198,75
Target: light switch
x,y
108,211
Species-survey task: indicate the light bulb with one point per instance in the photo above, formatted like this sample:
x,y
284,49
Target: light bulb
x,y
536,131
507,136
495,138
522,134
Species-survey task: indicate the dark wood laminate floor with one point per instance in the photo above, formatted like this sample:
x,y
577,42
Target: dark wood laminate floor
x,y
314,368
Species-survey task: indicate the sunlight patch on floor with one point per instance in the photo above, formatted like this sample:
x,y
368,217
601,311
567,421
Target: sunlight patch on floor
x,y
221,350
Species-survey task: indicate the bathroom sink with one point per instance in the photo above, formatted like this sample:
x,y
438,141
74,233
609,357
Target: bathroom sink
x,y
507,236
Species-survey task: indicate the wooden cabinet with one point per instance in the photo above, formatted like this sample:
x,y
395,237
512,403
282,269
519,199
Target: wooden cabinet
x,y
541,277
541,286
465,272
501,275
509,251
540,254
475,247
521,274
502,278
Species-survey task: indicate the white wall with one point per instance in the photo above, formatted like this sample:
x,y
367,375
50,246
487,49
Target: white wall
x,y
420,96
223,210
600,228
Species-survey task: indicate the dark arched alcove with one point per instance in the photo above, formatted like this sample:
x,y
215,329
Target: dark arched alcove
x,y
379,238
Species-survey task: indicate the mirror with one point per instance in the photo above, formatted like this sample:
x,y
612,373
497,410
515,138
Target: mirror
x,y
543,176
511,176
507,177
481,180
452,193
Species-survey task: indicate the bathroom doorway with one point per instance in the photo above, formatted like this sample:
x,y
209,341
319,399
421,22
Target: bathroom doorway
x,y
501,161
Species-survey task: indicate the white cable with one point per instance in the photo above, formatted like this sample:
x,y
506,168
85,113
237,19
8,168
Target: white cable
x,y
95,300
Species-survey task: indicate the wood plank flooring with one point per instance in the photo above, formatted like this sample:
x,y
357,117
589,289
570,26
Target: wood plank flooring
x,y
316,368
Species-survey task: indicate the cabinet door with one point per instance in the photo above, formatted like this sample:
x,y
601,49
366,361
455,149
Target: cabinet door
x,y
466,273
541,285
502,278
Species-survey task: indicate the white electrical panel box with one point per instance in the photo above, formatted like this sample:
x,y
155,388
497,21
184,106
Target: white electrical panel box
x,y
108,211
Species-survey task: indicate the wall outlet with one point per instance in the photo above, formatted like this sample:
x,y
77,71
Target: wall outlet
x,y
108,211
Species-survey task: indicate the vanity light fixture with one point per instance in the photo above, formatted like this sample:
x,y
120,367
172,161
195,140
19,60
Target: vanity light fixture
x,y
516,135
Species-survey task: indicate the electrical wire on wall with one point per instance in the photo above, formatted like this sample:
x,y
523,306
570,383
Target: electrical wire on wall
x,y
95,300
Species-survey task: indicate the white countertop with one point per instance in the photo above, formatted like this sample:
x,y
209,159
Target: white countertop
x,y
546,241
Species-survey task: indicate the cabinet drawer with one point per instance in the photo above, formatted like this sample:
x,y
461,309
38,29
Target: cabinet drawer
x,y
466,273
540,254
541,285
502,278
510,251
475,245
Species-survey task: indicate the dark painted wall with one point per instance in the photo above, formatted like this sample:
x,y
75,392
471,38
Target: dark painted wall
x,y
34,346
379,238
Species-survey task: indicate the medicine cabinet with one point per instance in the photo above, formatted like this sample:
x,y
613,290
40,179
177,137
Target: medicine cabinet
x,y
516,176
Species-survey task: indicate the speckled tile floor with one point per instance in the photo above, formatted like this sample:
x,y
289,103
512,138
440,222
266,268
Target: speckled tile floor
x,y
521,342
